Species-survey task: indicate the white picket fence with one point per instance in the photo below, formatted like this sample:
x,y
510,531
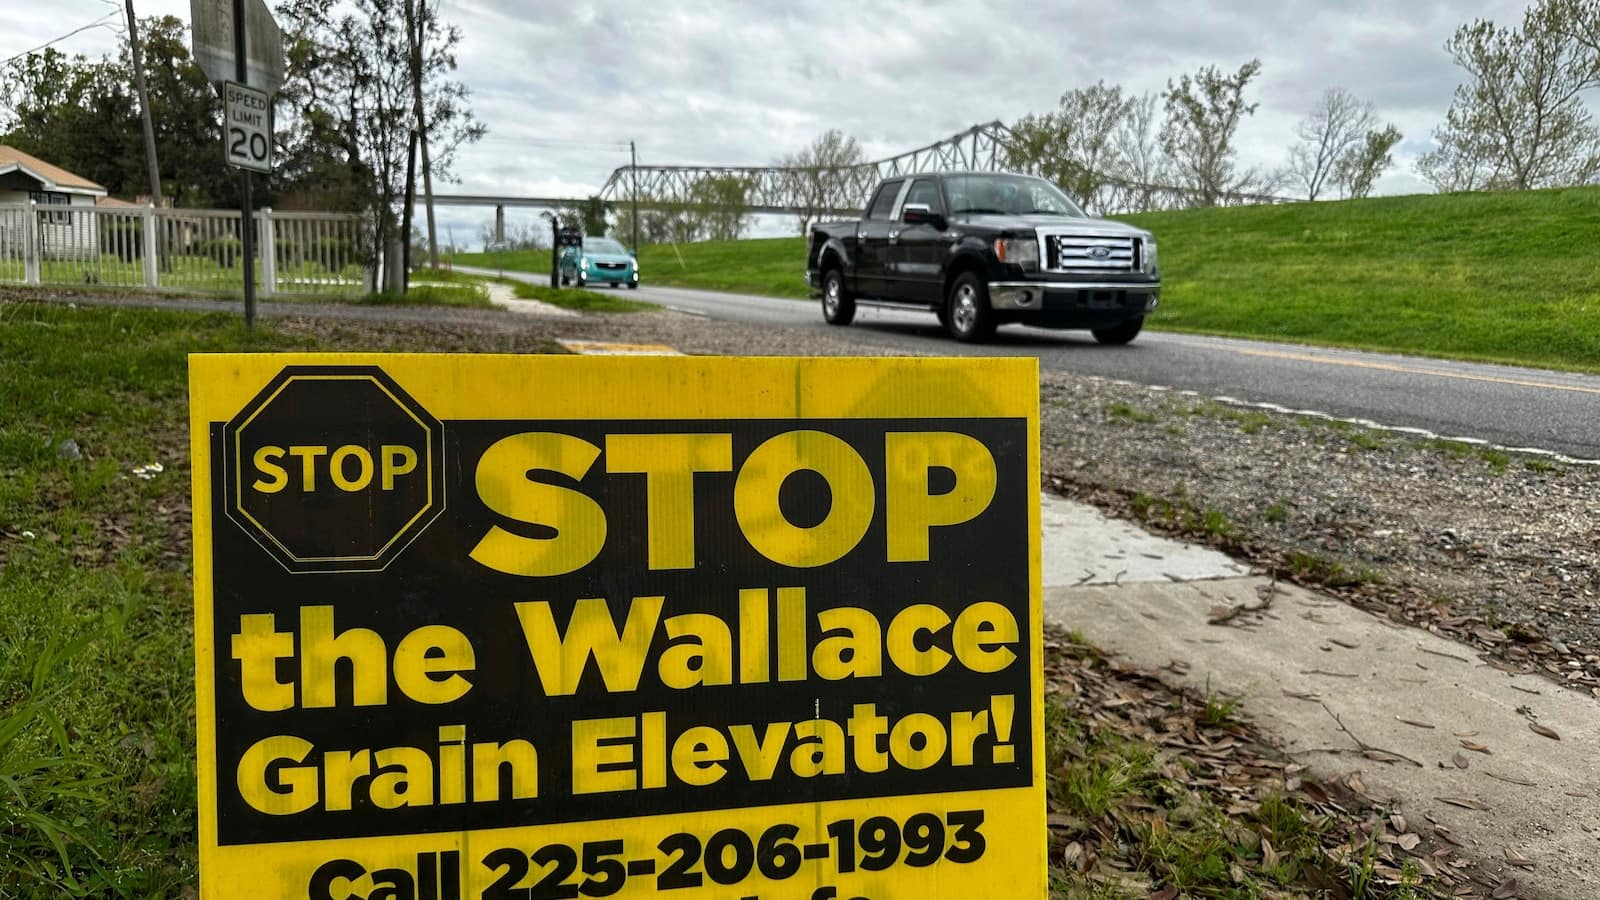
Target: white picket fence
x,y
194,250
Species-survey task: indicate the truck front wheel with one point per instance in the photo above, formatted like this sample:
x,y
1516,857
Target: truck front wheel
x,y
1120,334
838,307
967,316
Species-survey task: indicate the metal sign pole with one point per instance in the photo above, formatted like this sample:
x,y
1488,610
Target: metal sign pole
x,y
247,224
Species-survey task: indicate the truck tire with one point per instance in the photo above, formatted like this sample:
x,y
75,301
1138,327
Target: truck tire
x,y
967,316
1119,334
838,307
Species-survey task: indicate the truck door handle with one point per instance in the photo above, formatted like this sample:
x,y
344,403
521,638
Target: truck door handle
x,y
894,236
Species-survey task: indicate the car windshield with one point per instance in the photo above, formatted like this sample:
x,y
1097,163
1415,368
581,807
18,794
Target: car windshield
x,y
604,245
1014,195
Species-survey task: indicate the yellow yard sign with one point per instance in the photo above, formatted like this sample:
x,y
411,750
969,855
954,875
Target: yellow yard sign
x,y
517,628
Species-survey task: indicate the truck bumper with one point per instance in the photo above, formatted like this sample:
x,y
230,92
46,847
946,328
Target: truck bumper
x,y
1073,305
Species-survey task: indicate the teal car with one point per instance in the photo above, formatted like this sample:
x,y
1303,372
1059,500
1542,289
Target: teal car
x,y
599,261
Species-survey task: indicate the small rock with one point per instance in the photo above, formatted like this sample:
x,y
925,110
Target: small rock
x,y
69,449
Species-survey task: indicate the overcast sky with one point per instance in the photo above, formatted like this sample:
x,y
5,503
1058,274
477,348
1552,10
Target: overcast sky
x,y
564,85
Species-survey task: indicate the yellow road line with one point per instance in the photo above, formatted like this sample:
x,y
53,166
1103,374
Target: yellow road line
x,y
1413,370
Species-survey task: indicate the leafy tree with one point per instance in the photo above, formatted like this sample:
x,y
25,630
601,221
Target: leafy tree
x,y
592,216
1076,146
1520,121
721,200
347,109
1337,125
80,114
1361,164
819,177
1203,114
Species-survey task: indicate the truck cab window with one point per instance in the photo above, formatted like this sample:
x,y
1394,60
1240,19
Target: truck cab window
x,y
883,202
926,192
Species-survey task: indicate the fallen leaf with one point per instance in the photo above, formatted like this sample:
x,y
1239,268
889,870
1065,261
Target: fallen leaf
x,y
1538,729
1459,760
1409,841
1517,781
1413,722
1463,802
1167,893
1398,822
1507,889
1475,747
1517,859
1465,733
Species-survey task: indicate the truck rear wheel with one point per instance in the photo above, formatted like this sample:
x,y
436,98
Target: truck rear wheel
x,y
967,316
1120,334
838,307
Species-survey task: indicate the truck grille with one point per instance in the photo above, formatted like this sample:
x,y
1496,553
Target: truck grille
x,y
1090,253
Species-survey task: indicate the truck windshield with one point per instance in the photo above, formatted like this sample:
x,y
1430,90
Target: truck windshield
x,y
1013,195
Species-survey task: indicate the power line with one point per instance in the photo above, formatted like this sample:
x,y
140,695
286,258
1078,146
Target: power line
x,y
95,24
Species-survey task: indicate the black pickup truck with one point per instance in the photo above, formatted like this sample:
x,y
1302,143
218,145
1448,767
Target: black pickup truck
x,y
984,249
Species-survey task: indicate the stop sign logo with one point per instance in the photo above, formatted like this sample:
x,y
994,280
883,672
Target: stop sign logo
x,y
334,469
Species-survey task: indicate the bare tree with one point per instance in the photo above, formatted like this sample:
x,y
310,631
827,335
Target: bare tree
x,y
1339,122
1140,159
818,178
1203,116
1360,165
1520,117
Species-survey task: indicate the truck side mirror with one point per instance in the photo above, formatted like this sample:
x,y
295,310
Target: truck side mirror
x,y
920,214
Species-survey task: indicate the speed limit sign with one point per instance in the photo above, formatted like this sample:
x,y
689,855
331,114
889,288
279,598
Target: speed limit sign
x,y
247,127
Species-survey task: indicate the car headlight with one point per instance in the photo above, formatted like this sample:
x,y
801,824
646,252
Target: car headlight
x,y
635,262
1022,252
583,262
1149,254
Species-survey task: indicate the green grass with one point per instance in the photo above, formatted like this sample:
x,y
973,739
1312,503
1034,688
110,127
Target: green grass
x,y
773,267
96,657
426,293
582,300
195,273
1504,277
97,742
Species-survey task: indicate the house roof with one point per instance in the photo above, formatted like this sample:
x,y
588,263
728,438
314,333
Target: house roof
x,y
114,203
49,177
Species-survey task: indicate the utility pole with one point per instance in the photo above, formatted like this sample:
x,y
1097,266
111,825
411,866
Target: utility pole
x,y
144,108
633,169
422,128
247,213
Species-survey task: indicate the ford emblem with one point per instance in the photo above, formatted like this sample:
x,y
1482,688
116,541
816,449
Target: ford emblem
x,y
1099,252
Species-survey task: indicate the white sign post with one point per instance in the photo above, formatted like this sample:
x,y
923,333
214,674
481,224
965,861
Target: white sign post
x,y
247,123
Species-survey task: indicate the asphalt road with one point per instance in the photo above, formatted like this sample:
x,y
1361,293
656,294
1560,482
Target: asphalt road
x,y
1509,406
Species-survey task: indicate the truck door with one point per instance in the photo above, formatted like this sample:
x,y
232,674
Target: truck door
x,y
917,252
872,239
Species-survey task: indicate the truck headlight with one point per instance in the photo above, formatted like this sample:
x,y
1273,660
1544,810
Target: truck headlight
x,y
1022,252
1149,259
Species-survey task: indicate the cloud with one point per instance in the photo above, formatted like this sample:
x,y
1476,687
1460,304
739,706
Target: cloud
x,y
563,86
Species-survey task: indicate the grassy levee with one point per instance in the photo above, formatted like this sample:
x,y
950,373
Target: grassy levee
x,y
1503,277
1507,277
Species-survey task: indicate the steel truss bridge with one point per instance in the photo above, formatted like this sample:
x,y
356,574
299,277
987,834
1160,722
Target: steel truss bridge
x,y
844,190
